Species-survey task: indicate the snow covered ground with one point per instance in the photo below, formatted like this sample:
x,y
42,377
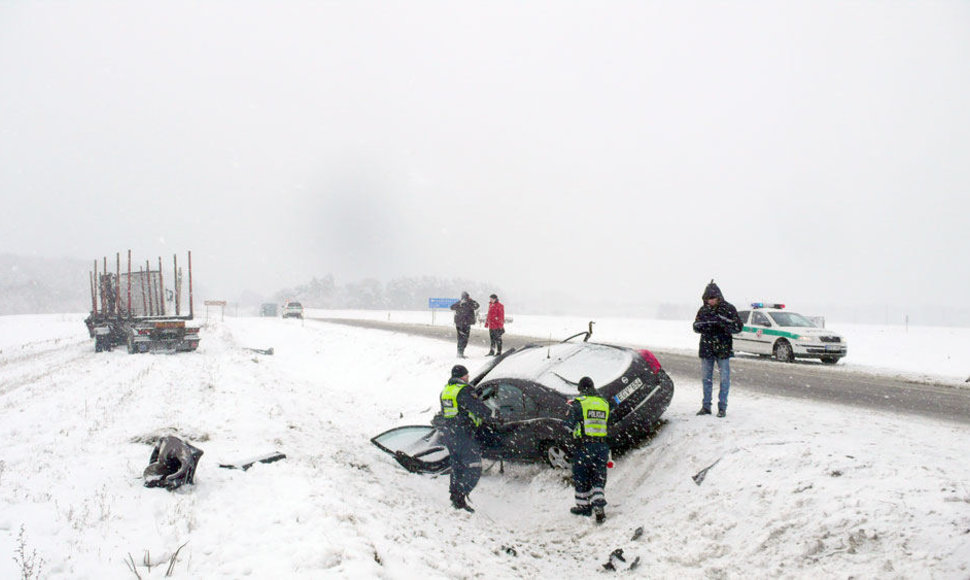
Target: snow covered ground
x,y
799,490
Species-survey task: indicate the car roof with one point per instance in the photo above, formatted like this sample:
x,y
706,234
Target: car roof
x,y
560,366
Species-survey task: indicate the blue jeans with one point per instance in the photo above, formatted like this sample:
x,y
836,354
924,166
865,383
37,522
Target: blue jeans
x,y
707,379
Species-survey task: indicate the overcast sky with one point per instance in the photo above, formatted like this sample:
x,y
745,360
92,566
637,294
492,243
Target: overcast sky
x,y
798,151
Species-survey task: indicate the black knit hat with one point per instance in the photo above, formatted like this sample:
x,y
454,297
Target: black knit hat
x,y
586,386
458,371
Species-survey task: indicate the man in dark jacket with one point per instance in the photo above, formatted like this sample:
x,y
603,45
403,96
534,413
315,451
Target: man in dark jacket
x,y
495,323
464,319
588,417
463,415
716,321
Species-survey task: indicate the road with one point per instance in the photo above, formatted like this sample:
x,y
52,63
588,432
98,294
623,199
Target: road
x,y
796,380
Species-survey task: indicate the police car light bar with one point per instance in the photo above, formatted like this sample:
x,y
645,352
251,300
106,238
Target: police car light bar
x,y
764,305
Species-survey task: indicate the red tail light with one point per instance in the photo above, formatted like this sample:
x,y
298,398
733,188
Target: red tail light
x,y
652,361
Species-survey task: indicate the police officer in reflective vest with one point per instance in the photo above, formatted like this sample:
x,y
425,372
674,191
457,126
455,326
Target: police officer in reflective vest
x,y
463,415
588,418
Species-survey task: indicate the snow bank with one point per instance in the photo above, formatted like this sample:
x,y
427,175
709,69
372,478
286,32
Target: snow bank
x,y
796,490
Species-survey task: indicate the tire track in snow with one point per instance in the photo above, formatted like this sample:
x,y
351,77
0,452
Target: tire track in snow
x,y
19,370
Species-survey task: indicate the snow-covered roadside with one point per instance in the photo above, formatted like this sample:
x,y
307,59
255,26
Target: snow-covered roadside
x,y
918,352
801,490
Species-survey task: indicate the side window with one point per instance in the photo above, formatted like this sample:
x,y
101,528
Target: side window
x,y
744,316
531,407
509,402
760,319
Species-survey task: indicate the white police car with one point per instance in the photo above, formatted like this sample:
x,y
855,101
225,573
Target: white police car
x,y
770,330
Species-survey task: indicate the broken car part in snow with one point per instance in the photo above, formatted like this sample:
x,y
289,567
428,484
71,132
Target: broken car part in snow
x,y
268,351
699,477
247,463
172,463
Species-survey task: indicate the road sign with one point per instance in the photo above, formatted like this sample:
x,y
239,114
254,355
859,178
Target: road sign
x,y
441,302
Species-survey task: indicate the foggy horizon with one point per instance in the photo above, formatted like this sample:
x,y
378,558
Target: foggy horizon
x,y
621,154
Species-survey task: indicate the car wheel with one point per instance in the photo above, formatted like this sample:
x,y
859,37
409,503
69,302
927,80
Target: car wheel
x,y
783,351
830,360
556,455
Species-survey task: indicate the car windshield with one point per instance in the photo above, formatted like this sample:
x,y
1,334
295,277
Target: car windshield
x,y
560,366
791,319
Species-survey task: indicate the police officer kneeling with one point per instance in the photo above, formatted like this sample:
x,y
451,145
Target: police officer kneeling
x,y
463,415
588,418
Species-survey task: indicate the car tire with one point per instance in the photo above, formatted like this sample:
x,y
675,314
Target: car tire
x,y
830,360
783,351
556,455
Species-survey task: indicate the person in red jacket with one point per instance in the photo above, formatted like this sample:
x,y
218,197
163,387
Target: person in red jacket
x,y
495,323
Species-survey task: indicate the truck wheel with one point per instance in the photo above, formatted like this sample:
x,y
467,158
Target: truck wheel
x,y
98,345
783,351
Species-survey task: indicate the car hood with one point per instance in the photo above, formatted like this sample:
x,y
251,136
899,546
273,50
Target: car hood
x,y
813,332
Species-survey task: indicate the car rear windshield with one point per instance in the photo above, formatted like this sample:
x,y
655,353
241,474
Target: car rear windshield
x,y
560,366
791,319
294,305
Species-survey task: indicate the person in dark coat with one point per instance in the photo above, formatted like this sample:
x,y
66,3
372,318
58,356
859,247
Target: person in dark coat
x,y
172,463
464,319
588,417
716,321
495,323
463,414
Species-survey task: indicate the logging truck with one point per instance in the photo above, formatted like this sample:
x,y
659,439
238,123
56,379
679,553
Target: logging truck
x,y
140,308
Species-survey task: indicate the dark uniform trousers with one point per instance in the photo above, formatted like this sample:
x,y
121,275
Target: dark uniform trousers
x,y
589,471
465,456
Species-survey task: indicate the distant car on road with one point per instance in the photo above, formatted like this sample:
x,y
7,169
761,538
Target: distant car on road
x,y
268,309
529,389
770,330
292,310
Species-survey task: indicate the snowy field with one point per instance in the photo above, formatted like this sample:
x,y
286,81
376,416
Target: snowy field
x,y
799,490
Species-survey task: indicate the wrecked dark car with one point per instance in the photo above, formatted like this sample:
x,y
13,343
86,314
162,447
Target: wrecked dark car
x,y
529,389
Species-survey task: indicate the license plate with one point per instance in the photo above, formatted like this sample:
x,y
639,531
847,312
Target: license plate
x,y
629,390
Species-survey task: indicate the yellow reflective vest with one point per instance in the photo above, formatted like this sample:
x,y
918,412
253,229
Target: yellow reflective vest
x,y
449,403
596,413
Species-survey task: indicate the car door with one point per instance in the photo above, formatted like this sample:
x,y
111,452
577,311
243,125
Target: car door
x,y
743,341
418,448
759,341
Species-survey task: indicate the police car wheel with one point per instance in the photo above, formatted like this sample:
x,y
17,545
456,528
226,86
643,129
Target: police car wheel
x,y
556,456
783,351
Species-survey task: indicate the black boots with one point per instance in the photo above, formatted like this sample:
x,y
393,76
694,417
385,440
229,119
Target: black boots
x,y
588,510
704,411
460,502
